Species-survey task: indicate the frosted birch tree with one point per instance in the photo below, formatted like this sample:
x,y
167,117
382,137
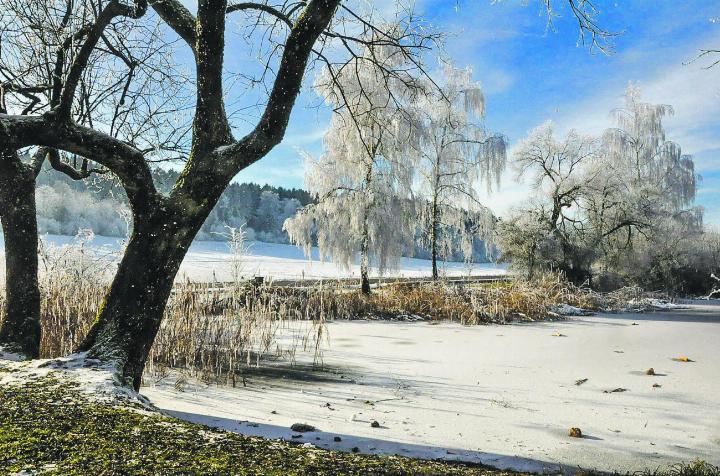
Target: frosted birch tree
x,y
456,153
363,179
645,178
654,167
646,190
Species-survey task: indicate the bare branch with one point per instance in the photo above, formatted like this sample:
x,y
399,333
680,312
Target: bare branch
x,y
178,18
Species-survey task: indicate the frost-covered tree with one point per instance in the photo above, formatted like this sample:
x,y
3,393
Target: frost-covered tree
x,y
63,211
455,154
556,174
269,210
645,185
625,216
363,179
524,241
637,149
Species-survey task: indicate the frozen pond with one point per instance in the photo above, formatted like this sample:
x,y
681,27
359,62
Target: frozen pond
x,y
501,395
212,260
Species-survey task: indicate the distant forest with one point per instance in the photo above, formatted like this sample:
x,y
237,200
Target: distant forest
x,y
99,203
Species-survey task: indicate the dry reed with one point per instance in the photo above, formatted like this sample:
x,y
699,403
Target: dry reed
x,y
215,332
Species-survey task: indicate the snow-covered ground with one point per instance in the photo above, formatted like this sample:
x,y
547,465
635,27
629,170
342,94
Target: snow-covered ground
x,y
212,260
502,395
97,381
208,260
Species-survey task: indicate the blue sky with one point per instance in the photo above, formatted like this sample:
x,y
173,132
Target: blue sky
x,y
531,74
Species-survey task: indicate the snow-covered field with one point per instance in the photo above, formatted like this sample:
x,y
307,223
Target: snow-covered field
x,y
208,260
212,260
503,395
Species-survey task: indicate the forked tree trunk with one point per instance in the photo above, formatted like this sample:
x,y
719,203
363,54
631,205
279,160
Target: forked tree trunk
x,y
20,330
132,310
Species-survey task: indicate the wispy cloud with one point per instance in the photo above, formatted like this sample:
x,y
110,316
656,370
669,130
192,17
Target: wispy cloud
x,y
310,137
694,93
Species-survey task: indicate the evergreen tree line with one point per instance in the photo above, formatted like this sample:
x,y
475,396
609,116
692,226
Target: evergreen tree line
x,y
99,203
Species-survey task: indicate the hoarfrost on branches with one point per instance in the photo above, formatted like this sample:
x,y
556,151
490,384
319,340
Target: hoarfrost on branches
x,y
638,150
455,154
364,178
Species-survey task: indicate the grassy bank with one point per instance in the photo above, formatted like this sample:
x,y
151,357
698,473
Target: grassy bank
x,y
49,426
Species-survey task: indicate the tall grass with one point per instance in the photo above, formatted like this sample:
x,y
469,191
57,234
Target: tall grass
x,y
216,332
479,303
209,332
72,280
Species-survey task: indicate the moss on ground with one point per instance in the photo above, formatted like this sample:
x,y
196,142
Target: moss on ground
x,y
47,426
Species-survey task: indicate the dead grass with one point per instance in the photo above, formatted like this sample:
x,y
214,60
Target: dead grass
x,y
695,468
208,333
479,303
215,332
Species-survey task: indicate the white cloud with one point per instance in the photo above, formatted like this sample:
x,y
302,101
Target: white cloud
x,y
312,137
510,194
496,80
694,93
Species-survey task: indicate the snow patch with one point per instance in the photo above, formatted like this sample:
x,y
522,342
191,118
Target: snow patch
x,y
568,310
651,304
98,382
11,356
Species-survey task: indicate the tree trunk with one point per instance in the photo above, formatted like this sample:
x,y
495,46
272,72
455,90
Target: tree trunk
x,y
20,331
433,239
435,215
132,310
365,258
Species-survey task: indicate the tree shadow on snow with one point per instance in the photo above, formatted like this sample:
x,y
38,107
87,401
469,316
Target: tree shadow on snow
x,y
378,446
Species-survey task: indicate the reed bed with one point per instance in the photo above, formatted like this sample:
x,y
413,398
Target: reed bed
x,y
210,333
216,332
480,303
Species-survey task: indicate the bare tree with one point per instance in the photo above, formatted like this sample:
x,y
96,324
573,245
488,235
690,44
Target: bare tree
x,y
39,41
558,174
711,55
